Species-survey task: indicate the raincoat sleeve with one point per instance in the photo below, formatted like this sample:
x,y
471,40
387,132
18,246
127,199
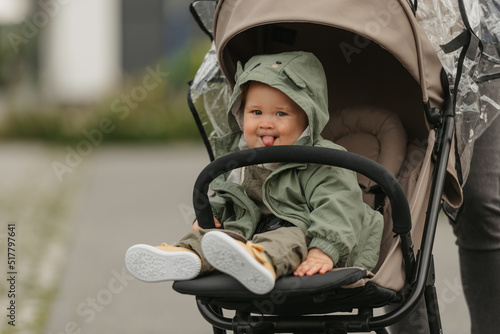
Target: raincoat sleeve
x,y
233,208
221,209
341,224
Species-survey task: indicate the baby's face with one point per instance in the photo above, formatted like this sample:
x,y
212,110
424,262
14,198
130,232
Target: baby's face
x,y
271,118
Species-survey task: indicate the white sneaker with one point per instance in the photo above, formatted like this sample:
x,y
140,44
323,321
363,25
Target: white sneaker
x,y
247,263
162,263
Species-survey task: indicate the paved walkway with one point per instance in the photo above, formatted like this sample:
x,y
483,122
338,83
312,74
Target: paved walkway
x,y
123,195
132,195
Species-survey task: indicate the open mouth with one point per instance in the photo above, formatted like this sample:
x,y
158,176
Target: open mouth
x,y
268,140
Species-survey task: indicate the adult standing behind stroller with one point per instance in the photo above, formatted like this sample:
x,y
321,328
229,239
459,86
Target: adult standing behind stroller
x,y
478,233
278,100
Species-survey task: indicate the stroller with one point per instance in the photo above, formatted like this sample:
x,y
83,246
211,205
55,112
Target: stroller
x,y
390,107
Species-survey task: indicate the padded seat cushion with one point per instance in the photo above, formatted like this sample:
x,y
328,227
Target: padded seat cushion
x,y
373,132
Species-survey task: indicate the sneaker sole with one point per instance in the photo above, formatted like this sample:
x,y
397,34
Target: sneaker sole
x,y
227,256
150,264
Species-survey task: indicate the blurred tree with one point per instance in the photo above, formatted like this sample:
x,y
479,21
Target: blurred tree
x,y
18,58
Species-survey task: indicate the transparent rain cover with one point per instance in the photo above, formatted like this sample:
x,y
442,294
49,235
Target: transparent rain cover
x,y
205,11
210,93
478,97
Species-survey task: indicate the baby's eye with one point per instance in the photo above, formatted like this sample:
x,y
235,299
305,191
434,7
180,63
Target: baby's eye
x,y
256,112
281,113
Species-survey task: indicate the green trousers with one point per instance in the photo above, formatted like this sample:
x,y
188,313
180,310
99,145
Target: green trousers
x,y
285,247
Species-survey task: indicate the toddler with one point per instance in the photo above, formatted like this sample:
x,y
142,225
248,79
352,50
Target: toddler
x,y
274,219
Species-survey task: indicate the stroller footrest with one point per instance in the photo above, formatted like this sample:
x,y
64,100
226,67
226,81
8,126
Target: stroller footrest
x,y
221,285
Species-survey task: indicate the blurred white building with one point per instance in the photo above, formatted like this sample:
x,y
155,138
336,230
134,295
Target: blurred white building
x,y
13,11
80,49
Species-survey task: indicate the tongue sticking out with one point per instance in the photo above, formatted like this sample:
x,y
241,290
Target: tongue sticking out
x,y
268,140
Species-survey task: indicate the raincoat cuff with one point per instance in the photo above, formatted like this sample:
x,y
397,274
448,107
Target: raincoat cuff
x,y
327,247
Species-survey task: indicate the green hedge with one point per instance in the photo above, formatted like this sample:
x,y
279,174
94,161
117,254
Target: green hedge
x,y
149,106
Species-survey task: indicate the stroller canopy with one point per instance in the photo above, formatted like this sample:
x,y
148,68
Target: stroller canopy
x,y
374,52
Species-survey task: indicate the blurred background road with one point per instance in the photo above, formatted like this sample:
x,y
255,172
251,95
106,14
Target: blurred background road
x,y
133,195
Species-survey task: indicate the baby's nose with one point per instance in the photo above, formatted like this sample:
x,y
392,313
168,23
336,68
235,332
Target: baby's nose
x,y
266,123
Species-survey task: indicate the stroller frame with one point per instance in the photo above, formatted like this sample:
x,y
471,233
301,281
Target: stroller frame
x,y
419,274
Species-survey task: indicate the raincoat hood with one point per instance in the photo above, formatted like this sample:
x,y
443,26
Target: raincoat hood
x,y
299,75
